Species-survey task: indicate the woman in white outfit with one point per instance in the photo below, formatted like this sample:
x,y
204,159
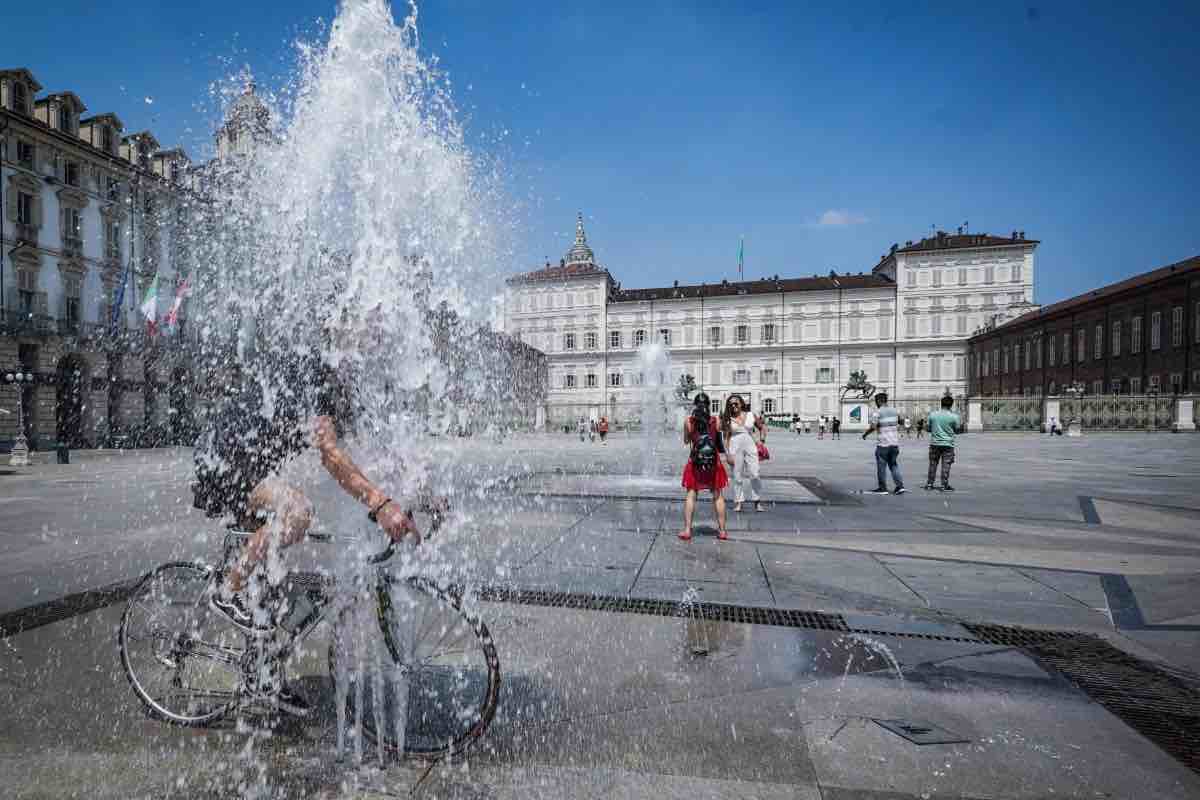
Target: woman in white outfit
x,y
742,427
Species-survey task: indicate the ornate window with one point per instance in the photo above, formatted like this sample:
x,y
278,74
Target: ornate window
x,y
1135,335
769,376
741,375
614,340
1116,338
639,337
614,379
71,173
568,341
1156,330
589,380
1098,343
19,97
589,340
664,336
768,405
714,335
742,334
25,154
768,333
1177,326
1080,346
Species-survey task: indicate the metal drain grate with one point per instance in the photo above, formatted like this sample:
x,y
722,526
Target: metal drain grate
x,y
72,605
1156,704
1014,637
721,612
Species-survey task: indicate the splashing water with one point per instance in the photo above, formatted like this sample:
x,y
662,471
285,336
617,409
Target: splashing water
x,y
340,243
658,404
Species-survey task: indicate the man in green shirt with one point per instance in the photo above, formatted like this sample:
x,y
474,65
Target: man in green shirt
x,y
943,425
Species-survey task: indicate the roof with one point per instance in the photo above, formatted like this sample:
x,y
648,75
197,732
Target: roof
x,y
770,286
107,116
25,75
1105,292
956,241
559,272
71,96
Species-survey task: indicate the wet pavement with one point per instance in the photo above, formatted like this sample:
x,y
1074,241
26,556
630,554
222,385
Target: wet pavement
x,y
592,703
1097,535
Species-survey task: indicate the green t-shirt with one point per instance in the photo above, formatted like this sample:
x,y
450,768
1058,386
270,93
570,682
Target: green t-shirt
x,y
942,425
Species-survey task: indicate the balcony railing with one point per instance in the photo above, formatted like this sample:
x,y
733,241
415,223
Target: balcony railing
x,y
72,245
26,233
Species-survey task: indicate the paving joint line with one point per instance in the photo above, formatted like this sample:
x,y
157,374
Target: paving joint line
x,y
903,582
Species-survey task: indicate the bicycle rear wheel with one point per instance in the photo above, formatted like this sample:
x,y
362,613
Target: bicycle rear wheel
x,y
446,657
181,658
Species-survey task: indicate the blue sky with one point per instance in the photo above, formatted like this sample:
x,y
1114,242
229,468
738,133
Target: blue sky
x,y
677,127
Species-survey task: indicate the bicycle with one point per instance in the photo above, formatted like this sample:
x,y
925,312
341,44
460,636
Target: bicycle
x,y
190,666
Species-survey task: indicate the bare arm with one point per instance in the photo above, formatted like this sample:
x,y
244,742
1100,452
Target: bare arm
x,y
350,477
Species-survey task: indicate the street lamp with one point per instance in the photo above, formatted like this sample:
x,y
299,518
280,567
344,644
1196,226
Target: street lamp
x,y
20,448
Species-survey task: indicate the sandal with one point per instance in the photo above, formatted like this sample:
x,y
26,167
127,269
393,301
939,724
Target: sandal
x,y
738,508
722,535
686,535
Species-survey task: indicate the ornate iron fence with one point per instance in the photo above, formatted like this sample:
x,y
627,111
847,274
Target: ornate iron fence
x,y
1106,412
1011,413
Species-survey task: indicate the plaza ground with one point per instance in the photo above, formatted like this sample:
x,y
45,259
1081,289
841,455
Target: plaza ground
x,y
1095,535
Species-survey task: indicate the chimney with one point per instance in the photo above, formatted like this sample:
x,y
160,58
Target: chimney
x,y
676,284
960,230
894,248
1014,236
1022,235
908,243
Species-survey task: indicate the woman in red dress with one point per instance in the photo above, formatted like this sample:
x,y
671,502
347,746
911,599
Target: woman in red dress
x,y
704,470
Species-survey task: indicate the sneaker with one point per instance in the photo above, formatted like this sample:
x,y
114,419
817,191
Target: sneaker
x,y
928,487
947,487
880,490
230,606
900,490
293,703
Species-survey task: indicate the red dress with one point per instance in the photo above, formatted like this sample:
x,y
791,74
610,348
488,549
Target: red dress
x,y
713,478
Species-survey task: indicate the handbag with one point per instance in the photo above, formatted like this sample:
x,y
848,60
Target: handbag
x,y
763,453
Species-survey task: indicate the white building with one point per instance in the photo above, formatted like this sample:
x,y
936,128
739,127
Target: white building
x,y
787,344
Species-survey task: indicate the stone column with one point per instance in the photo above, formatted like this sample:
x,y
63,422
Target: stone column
x,y
539,423
1183,416
974,416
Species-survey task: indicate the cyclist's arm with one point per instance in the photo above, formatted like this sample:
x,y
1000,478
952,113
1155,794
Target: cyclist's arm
x,y
351,478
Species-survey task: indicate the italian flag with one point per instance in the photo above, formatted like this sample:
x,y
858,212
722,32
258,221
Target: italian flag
x,y
150,307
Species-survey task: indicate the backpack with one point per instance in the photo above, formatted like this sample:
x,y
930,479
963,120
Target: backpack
x,y
704,449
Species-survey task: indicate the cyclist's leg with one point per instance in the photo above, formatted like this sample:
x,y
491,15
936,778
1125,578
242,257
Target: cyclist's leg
x,y
290,517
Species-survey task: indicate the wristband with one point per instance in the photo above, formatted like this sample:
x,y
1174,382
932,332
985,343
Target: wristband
x,y
373,514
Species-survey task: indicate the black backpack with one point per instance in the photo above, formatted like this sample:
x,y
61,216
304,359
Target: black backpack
x,y
704,449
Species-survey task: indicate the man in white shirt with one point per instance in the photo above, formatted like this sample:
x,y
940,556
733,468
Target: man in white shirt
x,y
886,421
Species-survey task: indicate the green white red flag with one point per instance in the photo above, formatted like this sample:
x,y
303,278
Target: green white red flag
x,y
149,307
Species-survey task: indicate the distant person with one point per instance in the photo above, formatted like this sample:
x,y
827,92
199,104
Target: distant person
x,y
908,427
704,470
921,427
1055,428
943,425
602,429
797,425
886,422
836,428
592,431
821,428
581,427
745,430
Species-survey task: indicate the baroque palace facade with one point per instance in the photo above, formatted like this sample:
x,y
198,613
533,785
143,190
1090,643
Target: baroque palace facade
x,y
788,344
87,208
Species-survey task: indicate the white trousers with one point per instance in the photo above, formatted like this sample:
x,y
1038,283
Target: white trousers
x,y
745,467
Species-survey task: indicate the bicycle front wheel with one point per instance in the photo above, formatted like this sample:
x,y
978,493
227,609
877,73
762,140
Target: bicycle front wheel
x,y
446,678
180,658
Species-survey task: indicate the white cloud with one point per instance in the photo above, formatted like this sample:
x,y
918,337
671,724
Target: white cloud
x,y
836,217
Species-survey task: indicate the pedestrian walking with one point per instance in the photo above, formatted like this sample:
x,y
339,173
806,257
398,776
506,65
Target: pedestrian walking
x,y
836,428
704,470
797,425
602,429
581,428
943,425
921,426
886,423
592,431
745,431
821,428
908,427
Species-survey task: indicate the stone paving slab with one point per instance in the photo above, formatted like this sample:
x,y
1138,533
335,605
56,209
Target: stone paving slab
x,y
648,487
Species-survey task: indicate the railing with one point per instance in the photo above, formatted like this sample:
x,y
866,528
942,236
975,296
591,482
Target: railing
x,y
1011,413
1125,412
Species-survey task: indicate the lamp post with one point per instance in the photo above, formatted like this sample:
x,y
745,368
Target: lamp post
x,y
20,448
